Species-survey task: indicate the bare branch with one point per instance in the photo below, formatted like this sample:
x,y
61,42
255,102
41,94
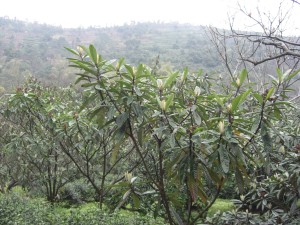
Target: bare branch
x,y
265,59
296,2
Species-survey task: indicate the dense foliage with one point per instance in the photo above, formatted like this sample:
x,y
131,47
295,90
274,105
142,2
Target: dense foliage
x,y
17,208
139,144
163,144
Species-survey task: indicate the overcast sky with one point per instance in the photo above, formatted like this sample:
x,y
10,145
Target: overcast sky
x,y
85,13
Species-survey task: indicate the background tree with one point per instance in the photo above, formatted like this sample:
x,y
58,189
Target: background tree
x,y
34,137
96,154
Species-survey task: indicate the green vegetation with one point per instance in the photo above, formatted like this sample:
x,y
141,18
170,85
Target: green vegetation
x,y
17,208
31,49
221,205
160,145
148,143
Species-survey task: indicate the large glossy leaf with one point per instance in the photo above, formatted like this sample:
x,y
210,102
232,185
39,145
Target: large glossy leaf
x,y
270,92
121,119
243,76
93,54
239,180
136,200
172,140
258,97
197,118
176,216
130,70
171,78
169,101
72,51
290,76
224,159
238,100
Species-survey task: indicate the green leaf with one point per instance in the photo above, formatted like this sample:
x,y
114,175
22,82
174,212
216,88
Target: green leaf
x,y
133,179
150,192
197,118
119,134
140,135
276,81
88,101
125,197
244,96
129,100
284,103
136,200
239,180
267,141
121,119
111,113
176,216
202,195
197,139
270,92
243,76
157,208
81,78
137,91
238,100
159,131
169,100
89,84
219,100
139,70
72,51
130,70
171,78
289,77
93,54
193,187
224,159
214,175
277,112
172,140
83,66
258,97
286,73
96,111
184,74
238,152
279,75
115,152
119,64
137,109
235,102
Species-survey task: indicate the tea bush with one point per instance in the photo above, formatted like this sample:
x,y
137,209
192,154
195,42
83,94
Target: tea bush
x,y
18,210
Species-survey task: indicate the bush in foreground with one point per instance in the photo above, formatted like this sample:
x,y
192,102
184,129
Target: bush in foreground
x,y
18,209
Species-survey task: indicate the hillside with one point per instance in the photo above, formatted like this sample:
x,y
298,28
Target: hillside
x,y
38,49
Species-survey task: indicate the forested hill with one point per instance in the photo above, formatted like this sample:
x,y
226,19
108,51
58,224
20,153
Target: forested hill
x,y
38,49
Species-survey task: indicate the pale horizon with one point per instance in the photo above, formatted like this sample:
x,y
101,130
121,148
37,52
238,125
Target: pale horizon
x,y
90,13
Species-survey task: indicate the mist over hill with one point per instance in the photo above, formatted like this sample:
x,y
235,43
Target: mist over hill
x,y
38,49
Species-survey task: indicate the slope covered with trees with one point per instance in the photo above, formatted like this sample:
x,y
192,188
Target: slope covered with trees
x,y
38,49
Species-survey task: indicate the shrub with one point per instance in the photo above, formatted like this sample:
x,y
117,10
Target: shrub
x,y
77,192
19,209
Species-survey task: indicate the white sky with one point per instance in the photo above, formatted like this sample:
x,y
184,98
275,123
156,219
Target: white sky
x,y
84,13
